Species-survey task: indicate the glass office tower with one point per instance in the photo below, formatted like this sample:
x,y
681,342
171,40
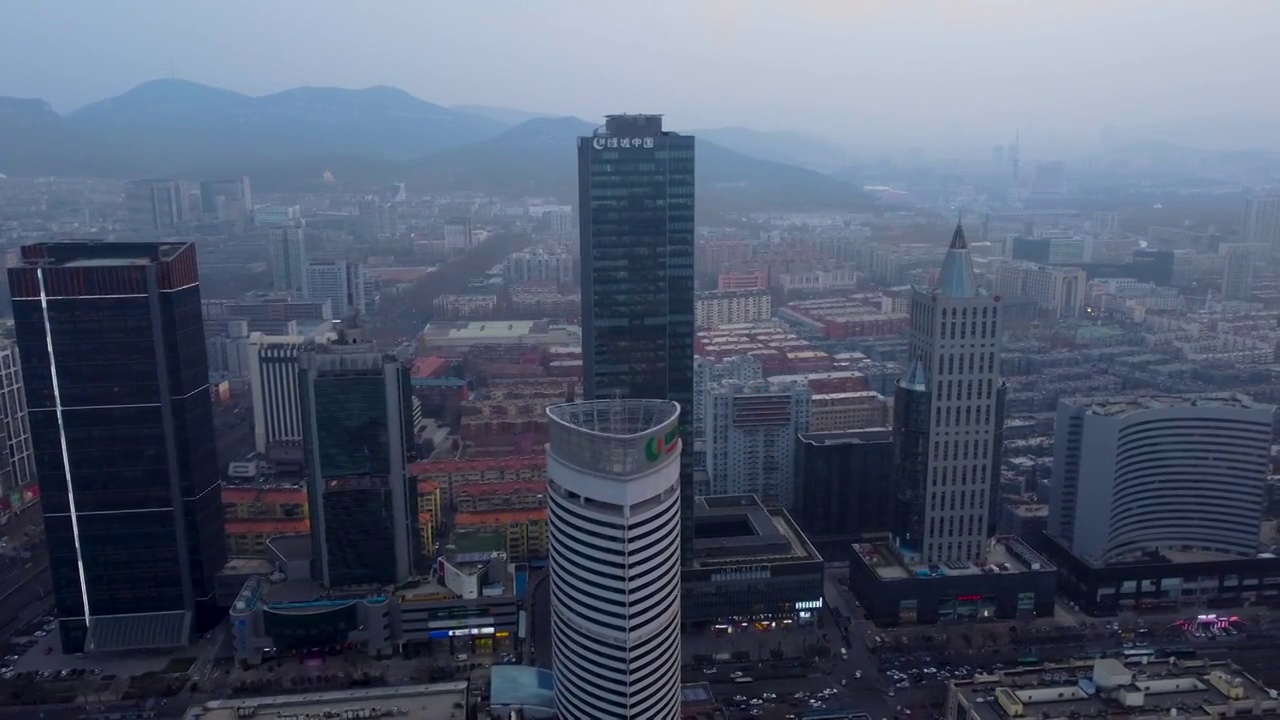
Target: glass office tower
x,y
636,200
357,439
112,345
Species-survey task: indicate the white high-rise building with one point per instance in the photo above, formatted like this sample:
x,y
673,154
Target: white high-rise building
x,y
273,383
1261,222
613,499
340,282
949,417
1237,268
539,265
288,257
709,372
1167,472
751,438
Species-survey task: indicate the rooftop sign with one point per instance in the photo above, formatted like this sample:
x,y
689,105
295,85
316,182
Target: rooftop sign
x,y
600,143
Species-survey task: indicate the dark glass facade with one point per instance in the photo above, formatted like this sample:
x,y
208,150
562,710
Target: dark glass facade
x,y
133,516
911,464
357,440
845,486
636,209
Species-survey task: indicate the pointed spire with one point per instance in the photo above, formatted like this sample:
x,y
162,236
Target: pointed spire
x,y
957,279
917,378
957,237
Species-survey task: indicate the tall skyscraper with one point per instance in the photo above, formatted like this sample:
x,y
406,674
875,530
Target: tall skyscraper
x,y
113,360
613,470
1261,222
949,417
155,206
289,257
1168,472
357,437
635,200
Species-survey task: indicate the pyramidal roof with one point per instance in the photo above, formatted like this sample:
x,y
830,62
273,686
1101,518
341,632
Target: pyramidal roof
x,y
916,378
957,278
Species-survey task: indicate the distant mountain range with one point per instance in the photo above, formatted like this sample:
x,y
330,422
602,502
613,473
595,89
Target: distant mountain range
x,y
287,140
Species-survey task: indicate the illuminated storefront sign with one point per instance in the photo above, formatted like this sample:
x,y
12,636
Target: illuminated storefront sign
x,y
472,631
601,143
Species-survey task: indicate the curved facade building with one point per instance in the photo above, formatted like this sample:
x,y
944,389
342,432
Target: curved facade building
x,y
1171,472
614,511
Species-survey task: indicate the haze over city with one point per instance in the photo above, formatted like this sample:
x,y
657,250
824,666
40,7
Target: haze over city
x,y
871,75
682,360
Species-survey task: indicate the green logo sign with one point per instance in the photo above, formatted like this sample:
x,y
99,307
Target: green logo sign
x,y
660,446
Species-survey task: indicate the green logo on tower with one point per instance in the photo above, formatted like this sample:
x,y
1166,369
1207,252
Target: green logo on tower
x,y
660,446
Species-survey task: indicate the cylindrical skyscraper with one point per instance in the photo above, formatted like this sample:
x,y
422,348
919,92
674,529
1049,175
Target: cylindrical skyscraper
x,y
613,471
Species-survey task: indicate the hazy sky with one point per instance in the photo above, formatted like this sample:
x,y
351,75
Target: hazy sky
x,y
869,71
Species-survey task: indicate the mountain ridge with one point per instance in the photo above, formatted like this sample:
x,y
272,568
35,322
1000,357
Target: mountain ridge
x,y
370,135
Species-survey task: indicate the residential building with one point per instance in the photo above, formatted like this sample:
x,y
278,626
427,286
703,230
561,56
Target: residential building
x,y
156,206
751,438
636,228
708,372
289,257
227,200
1261,222
845,278
128,469
539,265
743,280
377,219
257,512
845,411
949,417
276,215
469,477
1059,291
1131,473
1237,271
458,233
340,282
713,309
561,222
614,492
357,437
524,532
